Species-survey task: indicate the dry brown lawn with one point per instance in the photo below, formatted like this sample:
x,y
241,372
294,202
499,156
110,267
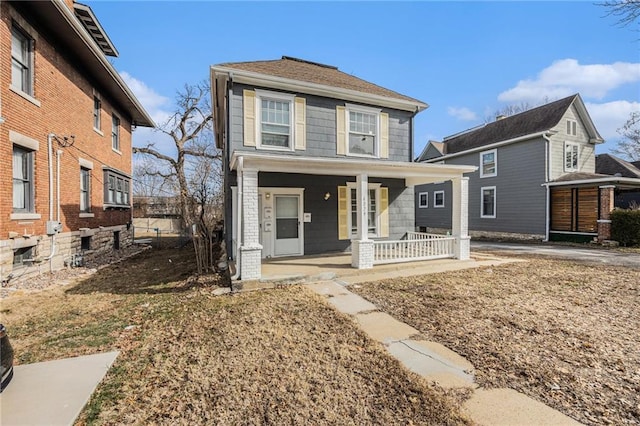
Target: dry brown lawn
x,y
188,357
563,332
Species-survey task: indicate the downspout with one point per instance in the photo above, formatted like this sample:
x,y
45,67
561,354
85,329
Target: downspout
x,y
547,164
239,172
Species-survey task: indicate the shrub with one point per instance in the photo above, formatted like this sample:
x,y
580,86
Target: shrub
x,y
625,227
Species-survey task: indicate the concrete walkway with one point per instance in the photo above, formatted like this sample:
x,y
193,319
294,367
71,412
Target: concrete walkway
x,y
432,360
52,393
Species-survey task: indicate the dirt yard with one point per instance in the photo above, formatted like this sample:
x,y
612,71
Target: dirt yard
x,y
565,333
189,357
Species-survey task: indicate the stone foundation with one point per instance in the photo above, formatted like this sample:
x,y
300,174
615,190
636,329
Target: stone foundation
x,y
490,235
68,251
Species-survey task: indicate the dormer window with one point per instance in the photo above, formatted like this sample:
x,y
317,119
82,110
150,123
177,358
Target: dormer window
x,y
572,127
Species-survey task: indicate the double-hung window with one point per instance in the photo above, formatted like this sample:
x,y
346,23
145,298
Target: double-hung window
x,y
275,129
97,109
22,180
488,163
438,199
115,133
363,131
21,61
423,200
488,202
85,190
117,189
571,155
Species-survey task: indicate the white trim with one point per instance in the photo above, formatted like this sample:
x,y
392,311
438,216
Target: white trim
x,y
278,96
274,82
612,179
25,216
23,141
276,191
85,163
568,144
25,95
495,198
371,185
420,194
435,204
86,215
495,163
376,142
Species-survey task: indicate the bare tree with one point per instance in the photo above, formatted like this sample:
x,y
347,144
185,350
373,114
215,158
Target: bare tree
x,y
629,145
509,110
148,180
627,11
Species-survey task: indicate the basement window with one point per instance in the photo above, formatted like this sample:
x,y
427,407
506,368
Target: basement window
x,y
23,256
85,243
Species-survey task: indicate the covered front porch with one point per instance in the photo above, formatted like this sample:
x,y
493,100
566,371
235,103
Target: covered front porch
x,y
277,202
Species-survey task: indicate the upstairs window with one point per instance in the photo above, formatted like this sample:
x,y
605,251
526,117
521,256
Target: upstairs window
x,y
571,155
489,163
21,61
423,200
572,127
97,109
115,133
22,180
275,126
363,131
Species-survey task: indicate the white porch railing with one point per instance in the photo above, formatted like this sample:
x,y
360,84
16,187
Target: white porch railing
x,y
416,246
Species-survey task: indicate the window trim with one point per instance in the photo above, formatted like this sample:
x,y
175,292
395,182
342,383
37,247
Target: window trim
x,y
280,97
435,199
370,186
29,202
572,127
17,30
577,165
376,142
495,198
115,118
495,163
420,205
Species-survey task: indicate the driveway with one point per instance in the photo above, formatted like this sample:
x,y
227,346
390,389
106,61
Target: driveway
x,y
609,257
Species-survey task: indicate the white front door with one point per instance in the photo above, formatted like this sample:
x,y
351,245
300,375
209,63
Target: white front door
x,y
287,225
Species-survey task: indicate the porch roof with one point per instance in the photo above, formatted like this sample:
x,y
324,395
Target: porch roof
x,y
591,179
412,173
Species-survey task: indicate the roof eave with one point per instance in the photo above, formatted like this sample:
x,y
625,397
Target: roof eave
x,y
603,180
274,82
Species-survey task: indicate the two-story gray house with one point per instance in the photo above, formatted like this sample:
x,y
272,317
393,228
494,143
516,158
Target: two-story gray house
x,y
318,161
536,177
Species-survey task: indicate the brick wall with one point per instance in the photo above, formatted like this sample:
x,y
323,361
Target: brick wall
x,y
62,103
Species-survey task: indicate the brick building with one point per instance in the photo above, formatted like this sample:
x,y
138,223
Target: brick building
x,y
66,118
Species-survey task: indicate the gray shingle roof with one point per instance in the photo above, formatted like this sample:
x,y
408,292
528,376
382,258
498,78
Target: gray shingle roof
x,y
611,165
312,72
532,121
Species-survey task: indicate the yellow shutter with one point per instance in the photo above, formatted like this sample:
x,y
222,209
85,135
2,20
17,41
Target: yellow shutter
x,y
249,107
384,212
301,128
384,135
343,200
341,127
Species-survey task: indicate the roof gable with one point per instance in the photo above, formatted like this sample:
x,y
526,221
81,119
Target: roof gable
x,y
432,150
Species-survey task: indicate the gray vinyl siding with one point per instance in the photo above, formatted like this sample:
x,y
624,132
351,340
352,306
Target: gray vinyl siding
x,y
520,196
321,128
430,216
321,234
587,158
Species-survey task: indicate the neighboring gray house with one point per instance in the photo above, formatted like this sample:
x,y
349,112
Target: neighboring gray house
x,y
317,161
536,177
607,164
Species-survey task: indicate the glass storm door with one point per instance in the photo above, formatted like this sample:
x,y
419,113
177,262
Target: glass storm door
x,y
287,235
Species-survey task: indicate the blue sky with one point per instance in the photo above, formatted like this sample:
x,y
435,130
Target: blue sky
x,y
465,59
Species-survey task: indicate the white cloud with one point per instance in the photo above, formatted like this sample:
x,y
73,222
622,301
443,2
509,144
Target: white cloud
x,y
610,116
567,76
464,113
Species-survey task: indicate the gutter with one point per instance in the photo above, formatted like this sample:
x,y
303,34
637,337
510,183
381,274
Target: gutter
x,y
612,179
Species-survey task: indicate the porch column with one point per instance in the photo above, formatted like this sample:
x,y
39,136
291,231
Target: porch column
x,y
607,198
361,245
460,217
250,250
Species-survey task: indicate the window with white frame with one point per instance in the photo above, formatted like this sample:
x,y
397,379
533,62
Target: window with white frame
x,y
438,199
115,132
373,201
22,180
97,109
571,155
488,202
117,189
572,127
489,163
21,61
363,128
85,190
423,200
275,129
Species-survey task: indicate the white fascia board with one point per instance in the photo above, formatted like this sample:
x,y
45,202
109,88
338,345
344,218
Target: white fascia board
x,y
612,179
265,80
491,146
413,173
70,17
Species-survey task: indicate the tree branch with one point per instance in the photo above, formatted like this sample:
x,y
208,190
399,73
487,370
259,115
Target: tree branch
x,y
153,152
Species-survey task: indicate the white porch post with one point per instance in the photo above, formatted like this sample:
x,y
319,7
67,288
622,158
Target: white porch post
x,y
250,250
460,217
361,245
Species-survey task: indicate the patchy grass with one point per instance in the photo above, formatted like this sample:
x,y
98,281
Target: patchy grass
x,y
563,332
271,357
